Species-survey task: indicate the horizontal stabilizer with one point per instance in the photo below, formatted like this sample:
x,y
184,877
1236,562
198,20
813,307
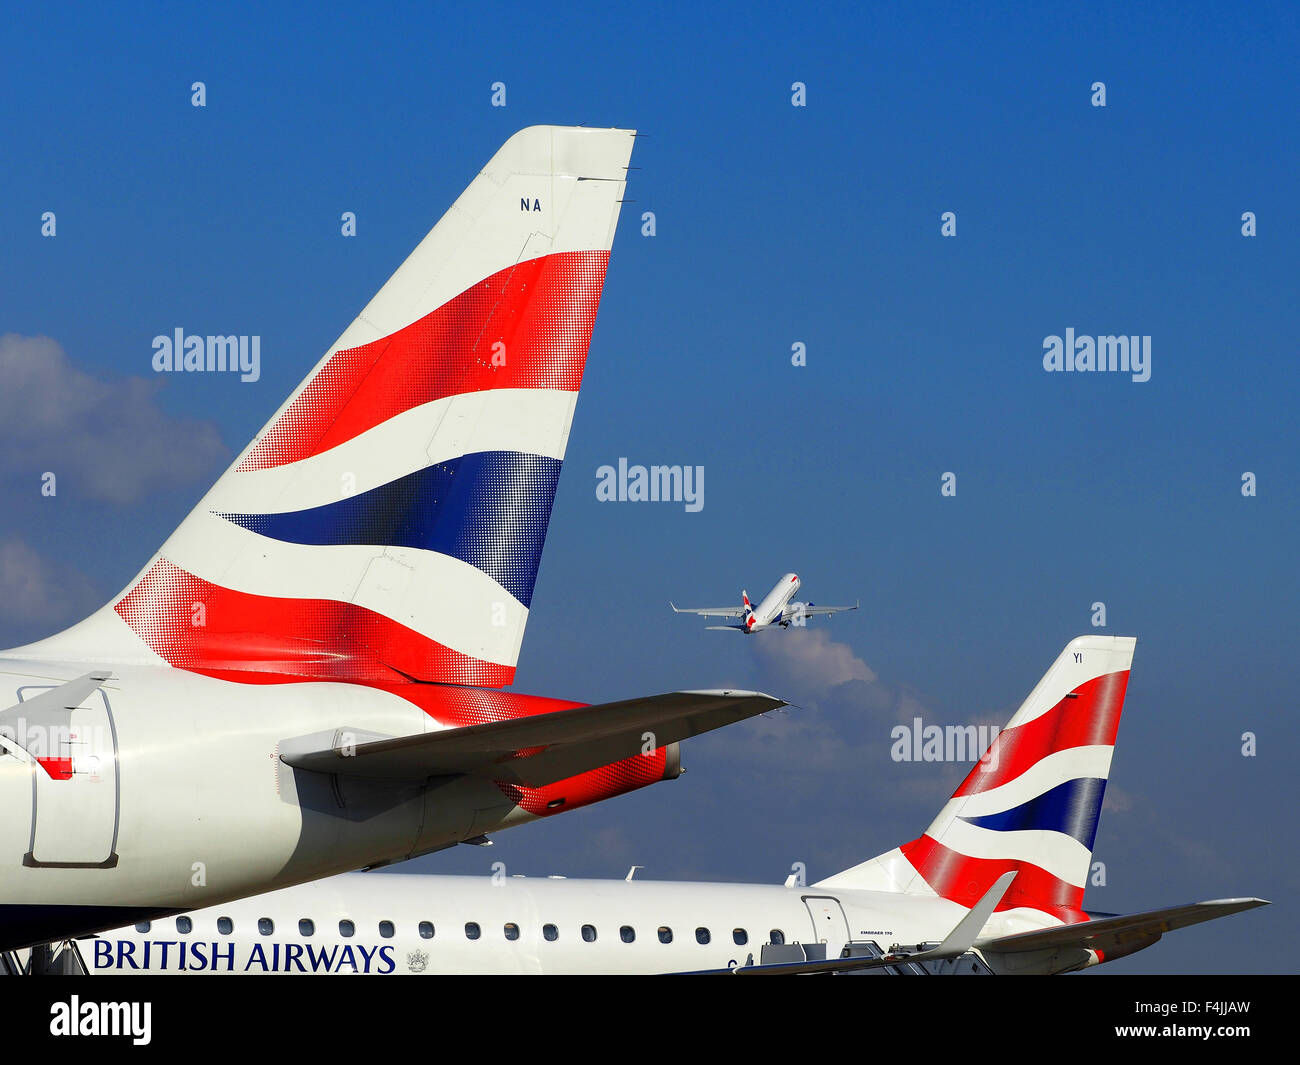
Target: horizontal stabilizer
x,y
1108,934
709,611
537,750
50,713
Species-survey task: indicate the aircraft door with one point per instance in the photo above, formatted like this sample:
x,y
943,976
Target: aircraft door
x,y
75,792
829,923
15,802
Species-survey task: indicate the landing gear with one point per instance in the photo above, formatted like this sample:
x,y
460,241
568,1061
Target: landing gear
x,y
48,959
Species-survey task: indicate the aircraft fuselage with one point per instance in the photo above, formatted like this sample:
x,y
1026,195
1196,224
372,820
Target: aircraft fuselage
x,y
169,794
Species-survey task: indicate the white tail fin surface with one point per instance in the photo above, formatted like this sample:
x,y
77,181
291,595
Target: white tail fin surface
x,y
1031,803
388,521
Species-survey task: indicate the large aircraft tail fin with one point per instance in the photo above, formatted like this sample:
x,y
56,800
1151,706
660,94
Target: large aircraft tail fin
x,y
1031,803
388,521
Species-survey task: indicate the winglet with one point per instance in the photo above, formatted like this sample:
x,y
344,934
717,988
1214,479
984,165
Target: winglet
x,y
967,930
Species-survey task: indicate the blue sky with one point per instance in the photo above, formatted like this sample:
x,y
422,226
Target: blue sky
x,y
775,225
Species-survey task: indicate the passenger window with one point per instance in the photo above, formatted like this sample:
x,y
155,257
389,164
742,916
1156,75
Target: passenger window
x,y
589,933
512,931
306,927
702,936
426,929
184,925
778,937
143,926
347,929
627,933
665,934
550,933
225,925
386,929
265,926
739,936
472,930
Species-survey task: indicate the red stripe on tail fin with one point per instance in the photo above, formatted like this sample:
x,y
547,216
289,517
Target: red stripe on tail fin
x,y
1088,716
540,312
202,627
966,880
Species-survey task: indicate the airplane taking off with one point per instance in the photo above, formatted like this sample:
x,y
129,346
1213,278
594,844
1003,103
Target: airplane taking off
x,y
775,609
994,885
305,678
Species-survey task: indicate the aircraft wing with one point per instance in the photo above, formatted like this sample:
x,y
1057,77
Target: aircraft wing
x,y
809,610
709,611
530,751
1108,934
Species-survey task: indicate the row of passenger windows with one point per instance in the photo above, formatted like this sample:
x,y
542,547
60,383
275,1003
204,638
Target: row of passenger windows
x,y
550,932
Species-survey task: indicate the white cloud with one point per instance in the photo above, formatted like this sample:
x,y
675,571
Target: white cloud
x,y
837,729
809,660
110,439
1116,801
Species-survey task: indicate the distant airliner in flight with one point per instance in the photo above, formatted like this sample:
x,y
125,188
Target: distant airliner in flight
x,y
775,609
304,679
994,885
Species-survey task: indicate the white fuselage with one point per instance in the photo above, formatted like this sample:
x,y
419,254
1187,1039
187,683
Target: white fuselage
x,y
178,799
382,923
771,610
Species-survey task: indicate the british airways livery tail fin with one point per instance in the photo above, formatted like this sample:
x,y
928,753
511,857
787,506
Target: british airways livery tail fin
x,y
1031,803
388,521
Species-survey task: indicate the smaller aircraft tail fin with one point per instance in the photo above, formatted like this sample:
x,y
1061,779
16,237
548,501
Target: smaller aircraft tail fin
x,y
1030,804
